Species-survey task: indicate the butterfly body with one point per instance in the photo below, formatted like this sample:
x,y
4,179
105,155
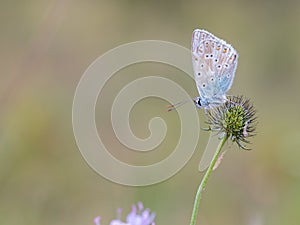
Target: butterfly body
x,y
214,63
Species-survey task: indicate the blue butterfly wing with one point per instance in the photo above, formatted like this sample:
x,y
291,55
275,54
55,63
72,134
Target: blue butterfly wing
x,y
214,63
202,65
227,73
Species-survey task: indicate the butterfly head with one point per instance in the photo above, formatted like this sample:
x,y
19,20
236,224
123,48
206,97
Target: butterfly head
x,y
198,102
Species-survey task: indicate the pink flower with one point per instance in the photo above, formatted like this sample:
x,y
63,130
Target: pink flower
x,y
97,220
137,216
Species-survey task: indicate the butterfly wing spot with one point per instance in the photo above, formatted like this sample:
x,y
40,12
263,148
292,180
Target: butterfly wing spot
x,y
204,85
202,65
199,74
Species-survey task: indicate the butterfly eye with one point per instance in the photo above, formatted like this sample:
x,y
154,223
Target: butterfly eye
x,y
199,102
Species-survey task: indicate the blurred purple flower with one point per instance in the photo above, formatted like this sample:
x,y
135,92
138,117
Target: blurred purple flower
x,y
137,216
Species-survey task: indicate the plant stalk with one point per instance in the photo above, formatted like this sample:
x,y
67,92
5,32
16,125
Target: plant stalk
x,y
205,179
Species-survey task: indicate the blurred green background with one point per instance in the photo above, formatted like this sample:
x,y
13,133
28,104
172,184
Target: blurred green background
x,y
47,45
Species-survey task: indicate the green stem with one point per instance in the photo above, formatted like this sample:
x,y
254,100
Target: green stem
x,y
204,180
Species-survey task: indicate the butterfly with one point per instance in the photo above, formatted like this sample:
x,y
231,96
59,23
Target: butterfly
x,y
214,63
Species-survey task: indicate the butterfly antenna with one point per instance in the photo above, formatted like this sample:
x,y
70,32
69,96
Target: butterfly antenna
x,y
176,105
